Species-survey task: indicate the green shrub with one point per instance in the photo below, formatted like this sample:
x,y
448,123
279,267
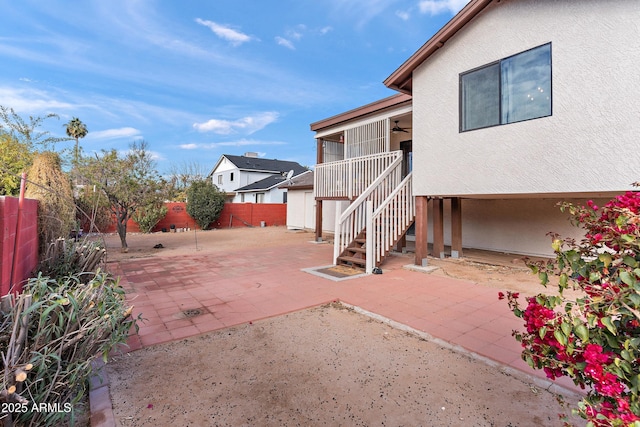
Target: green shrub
x,y
204,203
148,216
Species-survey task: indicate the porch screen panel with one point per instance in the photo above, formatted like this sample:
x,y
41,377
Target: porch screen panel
x,y
367,139
332,151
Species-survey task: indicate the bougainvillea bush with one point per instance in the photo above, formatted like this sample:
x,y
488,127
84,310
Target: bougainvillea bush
x,y
590,329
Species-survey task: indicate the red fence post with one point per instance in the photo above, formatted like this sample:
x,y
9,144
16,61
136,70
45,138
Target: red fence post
x,y
17,247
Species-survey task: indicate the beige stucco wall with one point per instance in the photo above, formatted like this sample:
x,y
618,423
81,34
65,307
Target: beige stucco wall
x,y
591,143
517,226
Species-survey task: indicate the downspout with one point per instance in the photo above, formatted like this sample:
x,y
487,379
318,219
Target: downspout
x,y
16,247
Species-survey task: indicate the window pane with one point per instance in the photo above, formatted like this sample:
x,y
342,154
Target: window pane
x,y
481,98
526,85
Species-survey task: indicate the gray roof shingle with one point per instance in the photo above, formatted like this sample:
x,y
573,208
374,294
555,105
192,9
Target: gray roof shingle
x,y
302,181
263,184
266,165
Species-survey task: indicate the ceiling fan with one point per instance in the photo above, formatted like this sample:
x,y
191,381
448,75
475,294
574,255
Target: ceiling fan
x,y
397,128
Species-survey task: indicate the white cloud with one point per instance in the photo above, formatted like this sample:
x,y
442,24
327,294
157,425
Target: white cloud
x,y
436,7
325,30
126,132
247,125
31,101
297,32
226,33
291,34
284,42
239,143
403,15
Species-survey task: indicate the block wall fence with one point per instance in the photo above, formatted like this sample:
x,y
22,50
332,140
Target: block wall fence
x,y
26,249
233,215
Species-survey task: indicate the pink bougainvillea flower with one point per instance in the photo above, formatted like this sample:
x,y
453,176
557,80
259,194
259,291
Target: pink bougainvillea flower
x,y
560,342
593,353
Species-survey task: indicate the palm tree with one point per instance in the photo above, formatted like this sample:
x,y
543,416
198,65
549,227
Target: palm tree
x,y
76,130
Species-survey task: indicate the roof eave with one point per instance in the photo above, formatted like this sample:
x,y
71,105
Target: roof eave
x,y
392,101
253,190
401,79
272,172
296,187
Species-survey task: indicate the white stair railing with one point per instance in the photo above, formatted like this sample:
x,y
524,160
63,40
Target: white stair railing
x,y
389,221
354,219
349,178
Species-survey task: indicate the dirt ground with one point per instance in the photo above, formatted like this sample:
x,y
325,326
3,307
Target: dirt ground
x,y
322,366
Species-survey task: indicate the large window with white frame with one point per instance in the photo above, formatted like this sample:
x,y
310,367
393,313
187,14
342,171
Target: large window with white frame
x,y
510,90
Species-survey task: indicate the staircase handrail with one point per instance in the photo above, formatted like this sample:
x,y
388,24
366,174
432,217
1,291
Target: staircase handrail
x,y
364,196
392,195
359,204
378,244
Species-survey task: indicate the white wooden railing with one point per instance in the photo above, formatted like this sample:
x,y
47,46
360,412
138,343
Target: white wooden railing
x,y
354,219
351,177
389,221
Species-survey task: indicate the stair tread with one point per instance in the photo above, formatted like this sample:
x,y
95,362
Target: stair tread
x,y
353,260
357,249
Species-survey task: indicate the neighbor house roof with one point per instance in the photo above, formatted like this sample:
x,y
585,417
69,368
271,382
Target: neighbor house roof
x,y
257,164
264,184
402,78
272,181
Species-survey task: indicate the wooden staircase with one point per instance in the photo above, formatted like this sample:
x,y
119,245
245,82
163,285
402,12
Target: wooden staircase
x,y
386,206
355,255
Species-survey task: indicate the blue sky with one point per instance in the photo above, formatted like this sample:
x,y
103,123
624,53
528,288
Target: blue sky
x,y
196,78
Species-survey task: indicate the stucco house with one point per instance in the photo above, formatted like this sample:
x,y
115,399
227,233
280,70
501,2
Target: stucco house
x,y
510,108
251,179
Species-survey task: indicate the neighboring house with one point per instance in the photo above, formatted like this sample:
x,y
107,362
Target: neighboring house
x,y
510,108
250,179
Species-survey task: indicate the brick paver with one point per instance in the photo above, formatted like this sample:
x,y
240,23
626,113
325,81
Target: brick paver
x,y
223,290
